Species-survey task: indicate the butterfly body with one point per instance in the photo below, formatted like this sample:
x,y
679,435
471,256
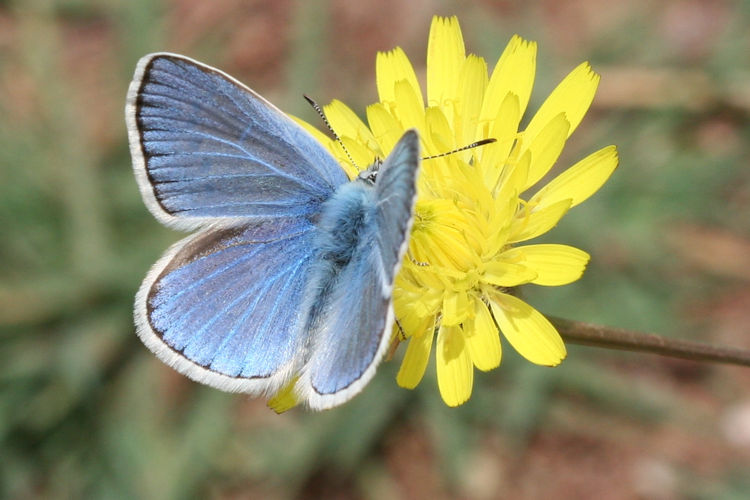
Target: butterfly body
x,y
343,224
290,275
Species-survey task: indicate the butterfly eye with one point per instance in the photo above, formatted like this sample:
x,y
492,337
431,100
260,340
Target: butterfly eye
x,y
370,175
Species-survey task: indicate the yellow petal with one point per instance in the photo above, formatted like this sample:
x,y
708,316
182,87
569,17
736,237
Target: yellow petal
x,y
572,96
531,225
285,399
472,81
445,53
527,330
386,129
555,265
414,300
579,181
411,324
455,371
456,308
512,180
439,233
513,74
482,338
343,120
346,123
392,67
507,274
439,137
492,157
408,108
546,148
498,239
417,355
360,154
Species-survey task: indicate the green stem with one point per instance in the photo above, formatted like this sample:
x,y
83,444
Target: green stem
x,y
576,332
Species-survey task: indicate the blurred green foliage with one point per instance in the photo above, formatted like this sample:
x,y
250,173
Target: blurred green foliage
x,y
87,412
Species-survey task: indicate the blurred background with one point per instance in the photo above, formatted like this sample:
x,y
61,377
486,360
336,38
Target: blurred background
x,y
86,411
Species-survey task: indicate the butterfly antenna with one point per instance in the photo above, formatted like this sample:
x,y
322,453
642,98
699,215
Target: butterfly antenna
x,y
317,108
464,148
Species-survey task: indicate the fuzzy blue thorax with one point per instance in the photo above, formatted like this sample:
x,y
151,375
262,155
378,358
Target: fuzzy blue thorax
x,y
342,222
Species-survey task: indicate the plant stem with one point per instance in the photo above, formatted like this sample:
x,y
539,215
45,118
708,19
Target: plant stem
x,y
576,332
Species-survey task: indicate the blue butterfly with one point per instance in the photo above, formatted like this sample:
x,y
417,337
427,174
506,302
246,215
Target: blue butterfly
x,y
290,274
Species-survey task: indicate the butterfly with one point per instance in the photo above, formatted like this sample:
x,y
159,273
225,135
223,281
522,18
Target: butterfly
x,y
289,277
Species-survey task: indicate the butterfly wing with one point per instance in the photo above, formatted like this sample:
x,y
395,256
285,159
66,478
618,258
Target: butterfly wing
x,y
206,148
223,306
357,322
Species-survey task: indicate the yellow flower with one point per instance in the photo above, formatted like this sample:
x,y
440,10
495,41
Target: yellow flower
x,y
476,207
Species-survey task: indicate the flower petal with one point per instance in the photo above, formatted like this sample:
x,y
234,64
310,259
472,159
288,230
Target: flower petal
x,y
511,182
385,127
285,399
359,152
493,157
346,123
580,181
507,274
411,323
572,96
546,148
497,239
455,308
527,330
482,338
392,67
445,53
408,108
413,300
438,235
439,138
455,372
472,81
417,355
530,225
554,264
513,74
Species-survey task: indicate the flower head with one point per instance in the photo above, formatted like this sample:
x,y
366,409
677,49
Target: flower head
x,y
476,209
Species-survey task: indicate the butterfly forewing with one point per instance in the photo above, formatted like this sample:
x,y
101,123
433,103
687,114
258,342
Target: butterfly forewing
x,y
205,146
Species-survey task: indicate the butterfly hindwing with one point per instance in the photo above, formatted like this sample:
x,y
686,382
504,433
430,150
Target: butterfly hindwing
x,y
223,306
205,147
354,328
